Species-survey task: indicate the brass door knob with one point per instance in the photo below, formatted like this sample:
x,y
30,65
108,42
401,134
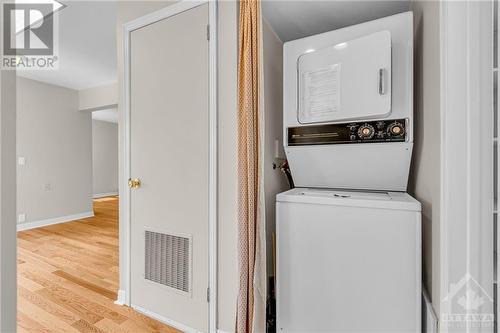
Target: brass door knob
x,y
134,183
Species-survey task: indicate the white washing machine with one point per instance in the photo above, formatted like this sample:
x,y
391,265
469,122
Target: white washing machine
x,y
348,261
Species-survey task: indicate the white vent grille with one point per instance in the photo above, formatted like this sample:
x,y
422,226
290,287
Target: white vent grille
x,y
167,260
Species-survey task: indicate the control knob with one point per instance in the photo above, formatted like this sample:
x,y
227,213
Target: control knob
x,y
366,131
396,129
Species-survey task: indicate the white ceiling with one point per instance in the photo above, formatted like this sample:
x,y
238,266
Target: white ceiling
x,y
87,33
296,19
108,115
87,46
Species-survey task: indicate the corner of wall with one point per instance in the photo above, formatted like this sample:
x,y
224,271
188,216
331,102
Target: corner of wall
x,y
425,172
8,263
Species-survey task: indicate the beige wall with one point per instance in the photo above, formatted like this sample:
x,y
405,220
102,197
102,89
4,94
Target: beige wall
x,y
56,141
425,172
275,182
104,157
227,187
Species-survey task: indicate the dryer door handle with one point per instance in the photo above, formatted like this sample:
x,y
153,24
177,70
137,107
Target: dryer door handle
x,y
382,73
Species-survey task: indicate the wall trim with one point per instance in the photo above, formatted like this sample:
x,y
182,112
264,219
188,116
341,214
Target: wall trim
x,y
466,227
99,108
103,195
125,279
120,297
55,220
164,320
213,168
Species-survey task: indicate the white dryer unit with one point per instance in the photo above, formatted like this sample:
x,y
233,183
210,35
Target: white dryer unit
x,y
348,262
348,106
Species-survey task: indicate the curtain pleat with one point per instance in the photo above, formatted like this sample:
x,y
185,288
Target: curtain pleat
x,y
251,223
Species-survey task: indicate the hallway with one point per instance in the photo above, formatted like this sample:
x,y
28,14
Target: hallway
x,y
68,278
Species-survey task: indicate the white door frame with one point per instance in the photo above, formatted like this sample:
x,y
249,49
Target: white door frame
x,y
179,7
466,228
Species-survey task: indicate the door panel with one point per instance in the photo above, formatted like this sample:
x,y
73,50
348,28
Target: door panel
x,y
350,80
169,154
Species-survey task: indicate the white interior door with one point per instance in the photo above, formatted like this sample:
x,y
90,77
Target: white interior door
x,y
169,154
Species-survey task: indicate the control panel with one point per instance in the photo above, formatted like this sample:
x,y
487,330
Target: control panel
x,y
354,132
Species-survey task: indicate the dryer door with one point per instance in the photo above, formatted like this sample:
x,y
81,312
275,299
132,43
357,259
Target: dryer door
x,y
349,80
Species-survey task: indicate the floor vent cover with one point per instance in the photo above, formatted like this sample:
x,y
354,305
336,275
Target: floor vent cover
x,y
167,260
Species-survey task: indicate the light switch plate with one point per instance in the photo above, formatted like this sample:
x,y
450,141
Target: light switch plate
x,y
21,161
21,218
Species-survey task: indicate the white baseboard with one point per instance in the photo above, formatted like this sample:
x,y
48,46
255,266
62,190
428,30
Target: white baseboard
x,y
221,331
164,320
120,299
103,195
429,318
56,220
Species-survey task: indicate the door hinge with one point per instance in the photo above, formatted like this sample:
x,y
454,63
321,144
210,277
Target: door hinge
x,y
208,295
208,32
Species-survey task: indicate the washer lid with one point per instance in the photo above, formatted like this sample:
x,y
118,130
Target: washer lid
x,y
382,200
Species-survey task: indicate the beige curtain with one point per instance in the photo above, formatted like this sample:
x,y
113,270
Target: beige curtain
x,y
251,223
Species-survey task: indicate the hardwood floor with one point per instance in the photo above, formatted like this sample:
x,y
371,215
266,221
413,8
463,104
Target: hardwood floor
x,y
68,278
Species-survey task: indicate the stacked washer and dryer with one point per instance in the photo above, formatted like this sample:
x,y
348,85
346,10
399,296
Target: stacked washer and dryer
x,y
348,236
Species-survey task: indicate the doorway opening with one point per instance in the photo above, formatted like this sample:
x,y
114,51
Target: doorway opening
x,y
67,170
75,271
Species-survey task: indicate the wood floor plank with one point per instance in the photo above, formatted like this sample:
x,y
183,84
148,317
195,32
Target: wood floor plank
x,y
68,278
27,284
85,327
103,291
138,320
31,258
47,306
51,322
69,304
92,311
27,324
109,326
